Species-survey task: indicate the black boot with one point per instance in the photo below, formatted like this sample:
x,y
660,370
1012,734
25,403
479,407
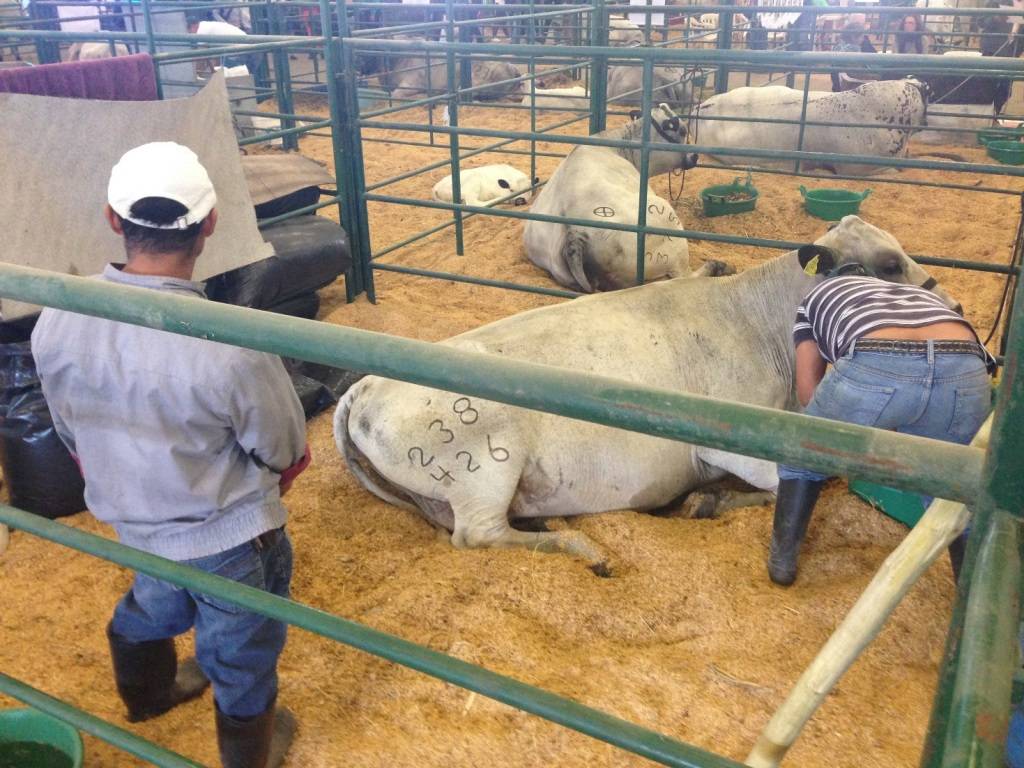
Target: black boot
x,y
255,742
957,549
793,509
149,678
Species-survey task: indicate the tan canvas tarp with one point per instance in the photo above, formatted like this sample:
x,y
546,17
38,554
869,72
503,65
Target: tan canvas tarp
x,y
273,176
56,160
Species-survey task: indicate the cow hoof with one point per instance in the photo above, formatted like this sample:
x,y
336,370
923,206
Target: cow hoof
x,y
718,268
699,506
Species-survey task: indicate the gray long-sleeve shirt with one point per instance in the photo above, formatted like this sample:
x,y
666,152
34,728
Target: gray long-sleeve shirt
x,y
181,440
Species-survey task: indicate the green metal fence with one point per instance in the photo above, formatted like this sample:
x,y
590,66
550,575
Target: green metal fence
x,y
977,669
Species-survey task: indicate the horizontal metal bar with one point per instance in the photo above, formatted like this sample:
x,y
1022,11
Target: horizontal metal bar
x,y
902,461
83,721
714,237
283,132
874,180
773,59
764,154
465,156
333,200
507,690
456,278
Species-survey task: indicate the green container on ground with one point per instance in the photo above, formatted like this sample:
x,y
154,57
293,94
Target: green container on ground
x,y
832,204
999,134
31,739
723,199
1007,152
899,505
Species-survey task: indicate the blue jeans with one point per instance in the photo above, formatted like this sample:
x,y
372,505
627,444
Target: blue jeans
x,y
237,650
941,396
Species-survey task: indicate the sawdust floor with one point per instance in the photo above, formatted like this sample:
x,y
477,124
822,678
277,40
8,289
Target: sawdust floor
x,y
689,637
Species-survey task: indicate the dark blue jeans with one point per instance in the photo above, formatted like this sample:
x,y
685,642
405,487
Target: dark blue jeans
x,y
237,650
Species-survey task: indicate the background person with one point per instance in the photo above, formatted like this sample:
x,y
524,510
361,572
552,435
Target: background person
x,y
901,360
910,35
186,447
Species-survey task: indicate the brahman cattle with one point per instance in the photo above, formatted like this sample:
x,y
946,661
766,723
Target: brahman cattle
x,y
602,184
470,464
894,107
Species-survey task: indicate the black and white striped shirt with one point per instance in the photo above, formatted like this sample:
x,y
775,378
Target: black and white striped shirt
x,y
843,309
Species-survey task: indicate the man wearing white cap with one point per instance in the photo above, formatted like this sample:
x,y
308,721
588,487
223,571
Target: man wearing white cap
x,y
186,447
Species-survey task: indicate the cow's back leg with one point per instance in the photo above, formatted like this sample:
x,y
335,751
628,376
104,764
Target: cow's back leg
x,y
484,523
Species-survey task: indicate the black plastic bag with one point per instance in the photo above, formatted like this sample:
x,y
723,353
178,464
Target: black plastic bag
x,y
40,473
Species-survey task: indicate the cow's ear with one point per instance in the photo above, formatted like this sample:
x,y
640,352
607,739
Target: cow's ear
x,y
504,184
817,259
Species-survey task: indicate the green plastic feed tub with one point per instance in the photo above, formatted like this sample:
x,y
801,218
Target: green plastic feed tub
x,y
999,134
723,199
30,739
832,204
1007,152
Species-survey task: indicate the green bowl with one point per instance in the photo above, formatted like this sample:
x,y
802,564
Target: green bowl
x,y
717,203
1008,152
22,728
832,204
999,134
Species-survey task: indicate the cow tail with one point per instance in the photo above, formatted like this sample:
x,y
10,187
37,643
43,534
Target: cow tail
x,y
357,462
574,254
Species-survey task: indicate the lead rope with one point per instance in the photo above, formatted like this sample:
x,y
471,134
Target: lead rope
x,y
692,121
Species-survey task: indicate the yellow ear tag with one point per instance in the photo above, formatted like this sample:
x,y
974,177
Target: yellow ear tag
x,y
812,267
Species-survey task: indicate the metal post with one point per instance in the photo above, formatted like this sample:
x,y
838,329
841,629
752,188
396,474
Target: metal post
x,y
645,172
151,44
453,141
598,68
803,120
283,82
344,90
724,43
980,706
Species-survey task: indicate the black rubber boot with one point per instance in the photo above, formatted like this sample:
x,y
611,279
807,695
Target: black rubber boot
x,y
149,678
793,508
957,549
255,742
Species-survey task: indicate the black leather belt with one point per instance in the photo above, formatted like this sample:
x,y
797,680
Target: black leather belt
x,y
905,347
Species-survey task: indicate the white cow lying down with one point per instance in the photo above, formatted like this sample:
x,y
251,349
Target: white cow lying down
x,y
559,98
487,185
893,104
470,464
602,184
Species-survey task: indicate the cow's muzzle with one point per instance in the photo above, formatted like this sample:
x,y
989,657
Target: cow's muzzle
x,y
690,161
520,201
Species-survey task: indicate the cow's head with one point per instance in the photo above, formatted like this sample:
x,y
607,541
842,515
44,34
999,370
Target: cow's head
x,y
669,128
853,245
519,184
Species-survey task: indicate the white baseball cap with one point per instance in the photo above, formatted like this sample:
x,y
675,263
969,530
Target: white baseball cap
x,y
161,169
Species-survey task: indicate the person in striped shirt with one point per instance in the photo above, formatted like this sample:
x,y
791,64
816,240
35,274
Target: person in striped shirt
x,y
900,359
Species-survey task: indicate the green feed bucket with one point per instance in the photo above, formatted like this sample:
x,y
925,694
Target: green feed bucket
x,y
723,199
1007,152
30,739
832,204
899,505
370,98
999,134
